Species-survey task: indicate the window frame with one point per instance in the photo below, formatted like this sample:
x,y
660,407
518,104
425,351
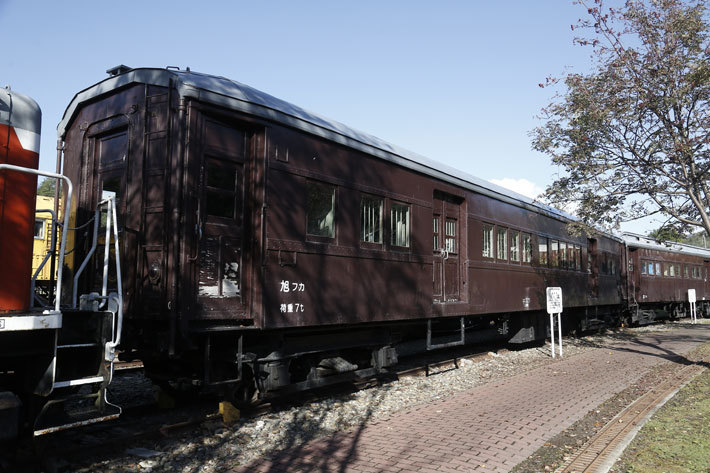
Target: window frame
x,y
212,163
527,250
448,237
315,236
436,232
392,231
381,200
554,252
492,247
514,246
502,231
543,241
43,232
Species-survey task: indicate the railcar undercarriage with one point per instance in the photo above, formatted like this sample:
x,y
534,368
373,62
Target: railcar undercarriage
x,y
243,365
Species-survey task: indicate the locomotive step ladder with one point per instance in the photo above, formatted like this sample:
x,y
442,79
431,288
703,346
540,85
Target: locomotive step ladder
x,y
82,371
85,349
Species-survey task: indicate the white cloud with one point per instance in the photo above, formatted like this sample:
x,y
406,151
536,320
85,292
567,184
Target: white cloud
x,y
521,186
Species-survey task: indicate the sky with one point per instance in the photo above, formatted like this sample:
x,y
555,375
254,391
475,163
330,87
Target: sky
x,y
455,81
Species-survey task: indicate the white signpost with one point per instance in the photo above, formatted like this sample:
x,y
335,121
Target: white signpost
x,y
554,306
693,310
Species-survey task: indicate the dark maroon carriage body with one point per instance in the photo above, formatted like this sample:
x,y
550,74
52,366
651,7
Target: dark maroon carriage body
x,y
245,216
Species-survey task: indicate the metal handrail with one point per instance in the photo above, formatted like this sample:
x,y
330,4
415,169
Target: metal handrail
x,y
111,225
53,246
94,243
62,247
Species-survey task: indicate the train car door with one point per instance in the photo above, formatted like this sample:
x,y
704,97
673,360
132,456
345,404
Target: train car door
x,y
220,225
593,267
448,248
108,147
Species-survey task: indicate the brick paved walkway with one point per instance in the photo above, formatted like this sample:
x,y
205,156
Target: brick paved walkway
x,y
493,427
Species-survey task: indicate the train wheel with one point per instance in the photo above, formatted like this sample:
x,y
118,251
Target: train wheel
x,y
244,394
626,320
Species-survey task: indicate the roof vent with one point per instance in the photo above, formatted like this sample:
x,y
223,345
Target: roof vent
x,y
120,69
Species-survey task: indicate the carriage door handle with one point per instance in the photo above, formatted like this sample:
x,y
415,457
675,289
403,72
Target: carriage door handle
x,y
444,254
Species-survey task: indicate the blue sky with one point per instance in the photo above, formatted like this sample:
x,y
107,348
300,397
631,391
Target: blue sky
x,y
456,81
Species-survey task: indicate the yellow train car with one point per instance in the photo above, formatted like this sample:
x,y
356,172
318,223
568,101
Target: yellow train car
x,y
42,236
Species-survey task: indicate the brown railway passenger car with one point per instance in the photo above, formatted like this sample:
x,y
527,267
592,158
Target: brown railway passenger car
x,y
660,275
264,246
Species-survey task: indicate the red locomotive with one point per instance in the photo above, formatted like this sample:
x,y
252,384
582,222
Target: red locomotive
x,y
20,125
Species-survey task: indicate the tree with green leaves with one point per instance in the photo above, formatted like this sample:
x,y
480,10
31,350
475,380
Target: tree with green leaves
x,y
666,234
46,187
632,137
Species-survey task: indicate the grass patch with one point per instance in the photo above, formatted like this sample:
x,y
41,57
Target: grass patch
x,y
677,438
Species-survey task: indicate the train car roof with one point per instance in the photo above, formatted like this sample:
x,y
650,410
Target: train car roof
x,y
236,96
640,241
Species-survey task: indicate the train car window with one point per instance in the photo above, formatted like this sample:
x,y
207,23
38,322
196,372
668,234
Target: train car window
x,y
400,225
612,265
39,229
542,249
320,211
435,226
671,270
451,235
554,253
221,189
666,269
113,148
371,219
487,251
515,246
502,244
589,262
687,274
677,271
111,187
658,269
563,255
643,267
578,257
527,248
650,268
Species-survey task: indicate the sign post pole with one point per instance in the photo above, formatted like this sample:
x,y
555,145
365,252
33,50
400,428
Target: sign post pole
x,y
693,310
559,327
554,306
552,334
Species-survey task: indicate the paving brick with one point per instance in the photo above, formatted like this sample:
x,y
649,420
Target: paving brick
x,y
498,424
